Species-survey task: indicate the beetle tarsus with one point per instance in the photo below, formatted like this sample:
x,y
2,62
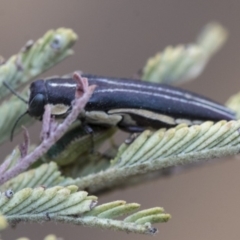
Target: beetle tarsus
x,y
131,138
90,131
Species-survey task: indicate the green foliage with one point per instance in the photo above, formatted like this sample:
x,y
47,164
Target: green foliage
x,y
185,62
50,189
156,150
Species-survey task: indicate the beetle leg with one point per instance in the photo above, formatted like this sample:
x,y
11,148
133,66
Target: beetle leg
x,y
131,138
87,128
131,129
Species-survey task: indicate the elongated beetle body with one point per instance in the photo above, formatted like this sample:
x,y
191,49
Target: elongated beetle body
x,y
132,105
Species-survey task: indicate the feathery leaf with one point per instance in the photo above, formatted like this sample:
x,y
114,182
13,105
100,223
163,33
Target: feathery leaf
x,y
185,62
153,151
61,204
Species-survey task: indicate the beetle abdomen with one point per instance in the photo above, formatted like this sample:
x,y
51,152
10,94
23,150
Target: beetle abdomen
x,y
158,98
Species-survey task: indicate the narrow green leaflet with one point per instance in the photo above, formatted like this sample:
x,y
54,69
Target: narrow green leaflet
x,y
3,223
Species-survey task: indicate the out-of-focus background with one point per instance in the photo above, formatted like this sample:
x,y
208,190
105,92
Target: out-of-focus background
x,y
115,39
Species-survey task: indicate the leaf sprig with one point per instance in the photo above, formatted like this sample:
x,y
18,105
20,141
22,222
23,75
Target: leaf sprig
x,y
185,62
155,150
66,204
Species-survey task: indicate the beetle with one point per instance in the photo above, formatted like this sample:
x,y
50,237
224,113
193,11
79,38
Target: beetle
x,y
132,105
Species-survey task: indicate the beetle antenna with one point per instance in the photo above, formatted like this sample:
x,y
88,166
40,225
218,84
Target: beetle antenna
x,y
15,124
14,92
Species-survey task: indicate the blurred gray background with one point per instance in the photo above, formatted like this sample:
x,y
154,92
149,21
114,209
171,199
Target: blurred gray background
x,y
116,38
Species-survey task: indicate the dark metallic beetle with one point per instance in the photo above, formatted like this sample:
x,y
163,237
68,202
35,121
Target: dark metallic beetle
x,y
132,105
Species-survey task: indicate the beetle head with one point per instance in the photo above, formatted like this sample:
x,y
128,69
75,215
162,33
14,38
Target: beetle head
x,y
37,99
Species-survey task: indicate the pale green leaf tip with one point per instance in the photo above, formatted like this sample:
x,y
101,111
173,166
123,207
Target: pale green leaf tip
x,y
144,213
119,210
51,237
212,37
155,218
234,103
72,188
3,223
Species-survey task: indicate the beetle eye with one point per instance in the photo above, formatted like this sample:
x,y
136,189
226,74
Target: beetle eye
x,y
36,106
